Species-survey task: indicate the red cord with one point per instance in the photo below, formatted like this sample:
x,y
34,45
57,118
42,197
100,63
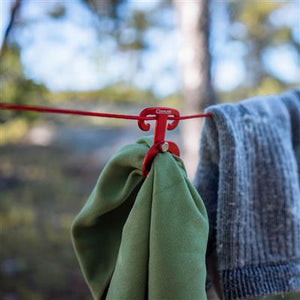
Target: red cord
x,y
89,113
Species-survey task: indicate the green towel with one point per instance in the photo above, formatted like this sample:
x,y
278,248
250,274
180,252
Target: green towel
x,y
138,239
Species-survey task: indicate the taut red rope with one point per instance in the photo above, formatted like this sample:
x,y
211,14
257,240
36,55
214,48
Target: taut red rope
x,y
90,113
161,115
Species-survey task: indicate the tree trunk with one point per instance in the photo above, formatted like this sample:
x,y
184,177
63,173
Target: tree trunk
x,y
195,61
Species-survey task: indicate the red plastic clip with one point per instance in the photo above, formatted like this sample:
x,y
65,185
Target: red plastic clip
x,y
159,144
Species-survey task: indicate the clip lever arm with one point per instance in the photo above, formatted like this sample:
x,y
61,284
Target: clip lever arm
x,y
159,144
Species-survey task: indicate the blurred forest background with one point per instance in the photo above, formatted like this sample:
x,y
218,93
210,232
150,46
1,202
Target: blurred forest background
x,y
112,56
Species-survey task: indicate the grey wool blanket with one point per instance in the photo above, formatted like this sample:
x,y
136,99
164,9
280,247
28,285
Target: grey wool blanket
x,y
248,177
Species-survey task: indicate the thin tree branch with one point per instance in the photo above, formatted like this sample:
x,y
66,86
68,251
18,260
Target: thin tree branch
x,y
13,13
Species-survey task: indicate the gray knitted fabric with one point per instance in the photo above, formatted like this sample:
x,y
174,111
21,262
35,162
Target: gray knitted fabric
x,y
248,177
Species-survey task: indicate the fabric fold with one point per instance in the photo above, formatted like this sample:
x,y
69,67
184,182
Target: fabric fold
x,y
248,178
139,239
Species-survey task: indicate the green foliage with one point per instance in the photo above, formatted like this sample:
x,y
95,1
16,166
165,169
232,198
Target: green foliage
x,y
260,34
104,7
113,12
268,86
174,100
15,87
13,130
58,11
138,23
254,15
117,93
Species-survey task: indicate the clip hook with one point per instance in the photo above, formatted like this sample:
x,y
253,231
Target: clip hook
x,y
161,115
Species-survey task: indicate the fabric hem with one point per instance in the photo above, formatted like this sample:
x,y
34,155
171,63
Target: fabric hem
x,y
255,281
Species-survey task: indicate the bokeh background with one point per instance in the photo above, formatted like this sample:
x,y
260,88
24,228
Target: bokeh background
x,y
113,56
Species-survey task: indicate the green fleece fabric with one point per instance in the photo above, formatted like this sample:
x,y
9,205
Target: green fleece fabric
x,y
138,239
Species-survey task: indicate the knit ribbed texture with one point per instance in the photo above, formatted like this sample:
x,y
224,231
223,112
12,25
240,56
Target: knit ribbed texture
x,y
248,177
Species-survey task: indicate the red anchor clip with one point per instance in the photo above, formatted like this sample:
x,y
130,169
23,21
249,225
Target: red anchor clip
x,y
161,115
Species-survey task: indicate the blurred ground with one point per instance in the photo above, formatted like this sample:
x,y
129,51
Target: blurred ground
x,y
41,189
